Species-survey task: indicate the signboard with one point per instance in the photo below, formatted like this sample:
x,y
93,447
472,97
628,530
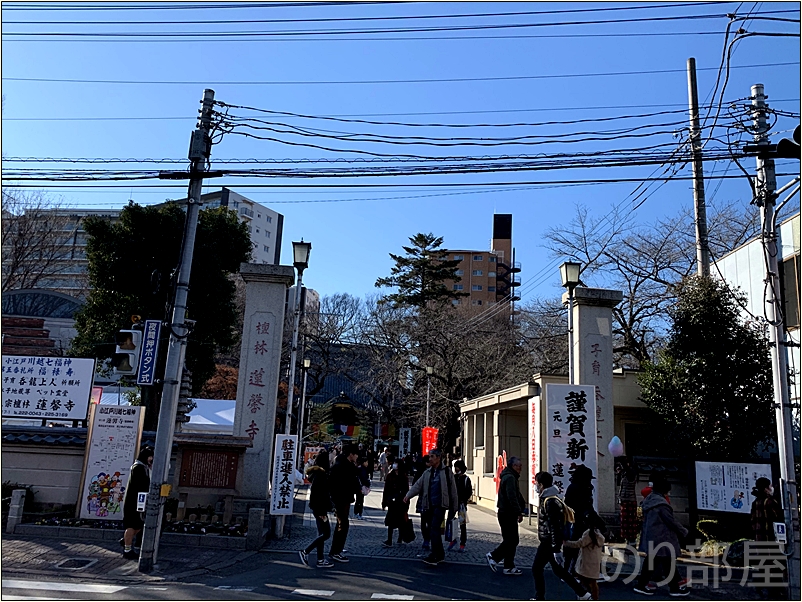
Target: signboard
x,y
112,446
141,501
533,425
571,411
429,439
404,442
281,490
726,487
150,350
46,387
311,452
213,469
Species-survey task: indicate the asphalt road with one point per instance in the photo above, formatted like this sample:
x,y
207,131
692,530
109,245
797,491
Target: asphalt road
x,y
275,576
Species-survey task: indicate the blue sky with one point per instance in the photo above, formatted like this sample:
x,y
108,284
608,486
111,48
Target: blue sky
x,y
352,237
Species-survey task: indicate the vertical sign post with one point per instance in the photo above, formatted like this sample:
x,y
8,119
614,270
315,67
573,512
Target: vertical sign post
x,y
429,439
283,474
150,349
404,442
533,424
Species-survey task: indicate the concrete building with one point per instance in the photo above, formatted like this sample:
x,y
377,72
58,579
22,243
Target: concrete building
x,y
488,276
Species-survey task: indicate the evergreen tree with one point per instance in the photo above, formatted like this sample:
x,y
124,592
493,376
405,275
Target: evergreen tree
x,y
712,383
419,275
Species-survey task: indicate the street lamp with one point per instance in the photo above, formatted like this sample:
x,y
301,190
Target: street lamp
x,y
429,372
569,272
307,365
300,255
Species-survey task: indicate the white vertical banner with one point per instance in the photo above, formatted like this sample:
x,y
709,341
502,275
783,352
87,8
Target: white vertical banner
x,y
571,432
533,424
281,491
404,442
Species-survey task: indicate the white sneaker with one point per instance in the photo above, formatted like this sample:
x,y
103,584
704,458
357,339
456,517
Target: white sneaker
x,y
492,563
585,596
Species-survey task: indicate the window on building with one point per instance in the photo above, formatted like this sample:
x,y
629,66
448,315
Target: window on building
x,y
257,230
460,272
476,302
459,257
490,457
455,302
476,273
476,287
266,248
468,449
491,274
480,430
269,219
491,259
267,233
477,258
259,215
457,287
491,289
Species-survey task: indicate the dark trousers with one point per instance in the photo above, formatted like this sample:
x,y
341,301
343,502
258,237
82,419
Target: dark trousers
x,y
359,504
323,533
390,535
543,557
436,516
425,521
341,531
505,552
661,566
463,534
570,556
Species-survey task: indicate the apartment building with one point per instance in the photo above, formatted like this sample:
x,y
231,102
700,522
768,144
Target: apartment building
x,y
488,276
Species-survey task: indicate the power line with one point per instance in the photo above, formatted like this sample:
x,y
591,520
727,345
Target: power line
x,y
183,6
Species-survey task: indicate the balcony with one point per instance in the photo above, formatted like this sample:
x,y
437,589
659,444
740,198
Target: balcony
x,y
515,280
245,212
515,267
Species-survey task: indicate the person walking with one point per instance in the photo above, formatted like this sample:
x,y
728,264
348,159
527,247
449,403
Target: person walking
x,y
464,493
438,491
425,529
138,482
589,547
511,505
550,529
660,541
363,472
383,461
764,513
320,504
395,488
578,497
344,485
627,501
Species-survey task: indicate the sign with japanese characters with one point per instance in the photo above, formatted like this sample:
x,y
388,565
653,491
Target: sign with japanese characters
x,y
112,446
533,425
281,491
571,411
429,439
404,442
46,387
150,349
726,487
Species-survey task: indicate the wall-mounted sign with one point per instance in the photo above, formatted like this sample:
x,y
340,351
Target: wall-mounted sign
x,y
112,446
727,487
281,490
46,387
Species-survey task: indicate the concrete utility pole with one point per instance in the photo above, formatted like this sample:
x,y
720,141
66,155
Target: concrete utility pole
x,y
702,250
199,150
765,196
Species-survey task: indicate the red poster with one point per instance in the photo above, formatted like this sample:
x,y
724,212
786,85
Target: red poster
x,y
429,439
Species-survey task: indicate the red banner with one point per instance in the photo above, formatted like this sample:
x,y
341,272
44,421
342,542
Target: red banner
x,y
429,439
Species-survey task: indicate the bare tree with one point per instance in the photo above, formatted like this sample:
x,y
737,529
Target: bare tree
x,y
543,326
36,239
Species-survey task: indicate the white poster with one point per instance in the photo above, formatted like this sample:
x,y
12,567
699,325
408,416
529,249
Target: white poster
x,y
112,446
46,387
533,424
571,432
725,487
281,491
404,442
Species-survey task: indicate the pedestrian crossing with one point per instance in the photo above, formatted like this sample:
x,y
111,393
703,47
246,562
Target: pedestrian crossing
x,y
54,587
327,593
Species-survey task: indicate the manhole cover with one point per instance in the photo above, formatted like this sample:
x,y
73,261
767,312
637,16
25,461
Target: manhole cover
x,y
76,563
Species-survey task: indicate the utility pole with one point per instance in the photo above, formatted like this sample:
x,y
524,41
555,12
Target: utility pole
x,y
700,211
765,196
200,147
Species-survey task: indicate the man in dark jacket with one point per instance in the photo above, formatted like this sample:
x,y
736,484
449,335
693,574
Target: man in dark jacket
x,y
550,526
660,541
511,505
344,485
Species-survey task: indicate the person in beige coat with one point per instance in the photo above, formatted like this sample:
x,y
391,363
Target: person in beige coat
x,y
591,546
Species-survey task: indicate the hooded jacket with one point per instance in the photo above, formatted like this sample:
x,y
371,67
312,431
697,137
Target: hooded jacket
x,y
509,499
319,494
344,481
448,494
660,526
550,519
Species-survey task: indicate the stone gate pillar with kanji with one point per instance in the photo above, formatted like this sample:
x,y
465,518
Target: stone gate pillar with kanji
x,y
593,365
260,359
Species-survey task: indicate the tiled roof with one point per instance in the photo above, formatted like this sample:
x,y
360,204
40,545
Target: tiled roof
x,y
55,435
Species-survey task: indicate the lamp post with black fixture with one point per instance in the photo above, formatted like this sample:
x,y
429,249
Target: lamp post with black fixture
x,y
307,365
300,253
569,272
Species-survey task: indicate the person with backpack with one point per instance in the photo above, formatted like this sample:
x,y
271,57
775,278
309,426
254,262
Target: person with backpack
x,y
464,493
320,504
552,515
511,505
438,492
589,549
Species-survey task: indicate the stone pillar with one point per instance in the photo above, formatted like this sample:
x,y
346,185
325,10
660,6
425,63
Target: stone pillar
x,y
255,536
260,359
15,509
593,365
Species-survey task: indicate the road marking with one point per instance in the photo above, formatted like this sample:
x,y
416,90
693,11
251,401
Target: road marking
x,y
391,597
7,597
314,592
63,587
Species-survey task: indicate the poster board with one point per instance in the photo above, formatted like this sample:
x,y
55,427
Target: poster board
x,y
46,387
726,486
112,444
572,441
311,452
281,488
